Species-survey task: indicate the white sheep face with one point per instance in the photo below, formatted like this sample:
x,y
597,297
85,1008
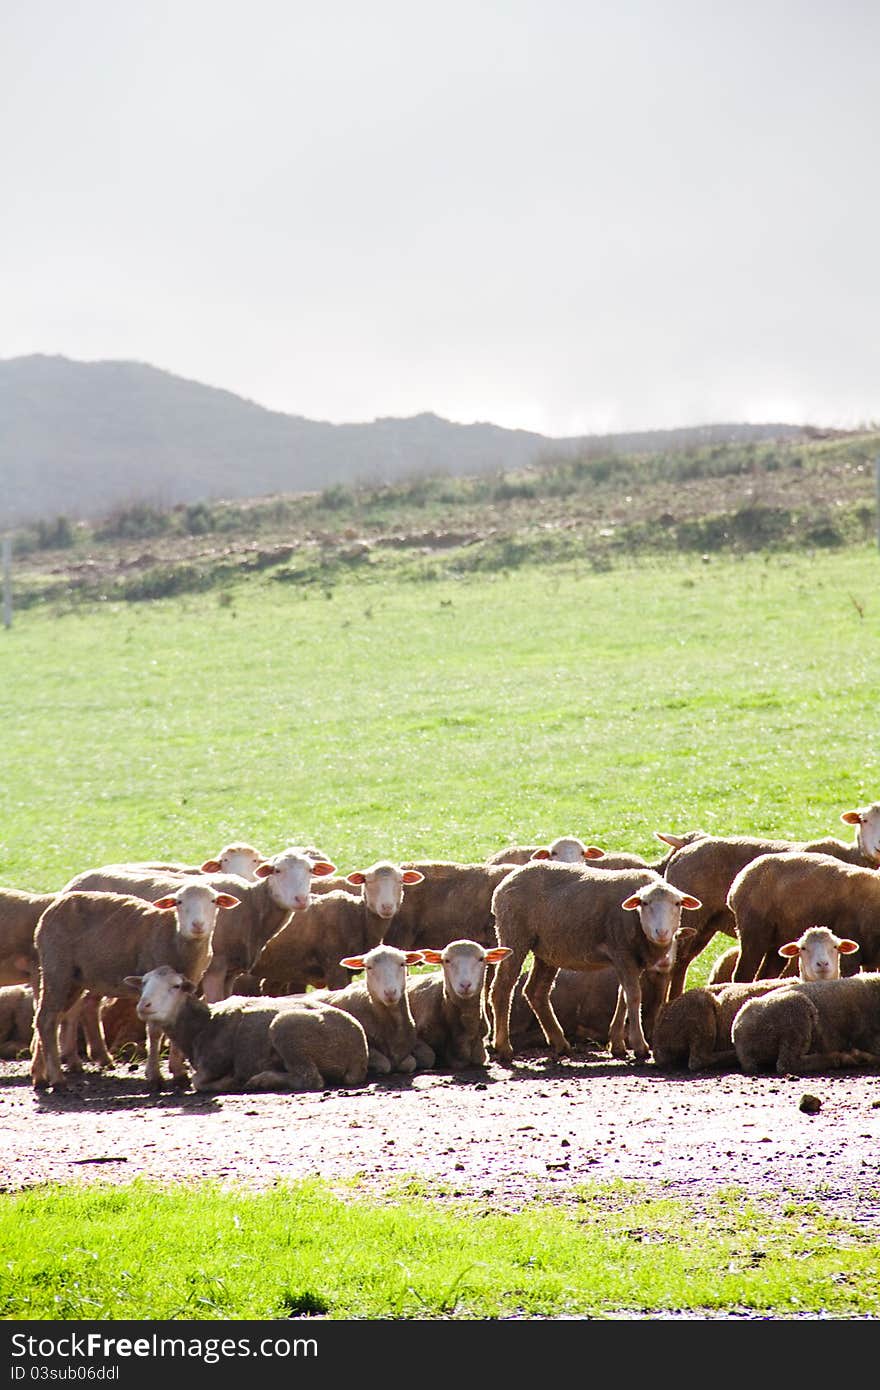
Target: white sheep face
x,y
162,992
819,952
867,821
659,906
465,969
242,860
290,877
197,905
383,886
384,972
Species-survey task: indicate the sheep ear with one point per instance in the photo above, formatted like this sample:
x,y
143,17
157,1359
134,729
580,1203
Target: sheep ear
x,y
691,902
594,852
413,876
668,839
264,870
846,947
541,854
187,986
353,962
226,900
431,956
632,904
852,817
165,903
496,953
357,877
685,933
413,957
211,866
321,868
134,982
791,948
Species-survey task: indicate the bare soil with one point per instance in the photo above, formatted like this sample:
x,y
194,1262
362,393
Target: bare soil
x,y
504,1135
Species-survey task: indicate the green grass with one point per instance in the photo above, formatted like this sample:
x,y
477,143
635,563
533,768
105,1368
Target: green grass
x,y
73,1253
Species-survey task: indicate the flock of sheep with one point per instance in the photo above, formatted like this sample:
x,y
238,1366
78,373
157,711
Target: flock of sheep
x,y
246,962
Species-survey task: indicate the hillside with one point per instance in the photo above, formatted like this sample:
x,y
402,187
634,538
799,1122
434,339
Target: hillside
x,y
79,438
579,511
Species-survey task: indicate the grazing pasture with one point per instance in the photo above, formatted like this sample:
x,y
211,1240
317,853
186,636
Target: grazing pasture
x,y
448,718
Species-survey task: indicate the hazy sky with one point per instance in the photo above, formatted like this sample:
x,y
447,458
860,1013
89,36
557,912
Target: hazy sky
x,y
566,215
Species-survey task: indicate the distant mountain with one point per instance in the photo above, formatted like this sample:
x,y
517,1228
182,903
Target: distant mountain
x,y
79,438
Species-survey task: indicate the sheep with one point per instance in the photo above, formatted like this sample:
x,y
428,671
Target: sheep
x,y
571,850
308,948
584,1001
282,886
777,896
578,918
695,1028
818,952
447,1004
803,1027
707,868
19,914
91,941
294,1044
381,1006
16,1020
453,902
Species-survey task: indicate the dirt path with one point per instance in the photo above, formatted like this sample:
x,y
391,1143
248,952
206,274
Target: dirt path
x,y
540,1129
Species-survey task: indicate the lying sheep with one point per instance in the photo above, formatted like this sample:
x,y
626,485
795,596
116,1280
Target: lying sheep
x,y
16,1020
814,956
294,1044
380,1005
695,1029
708,867
308,949
282,885
808,1027
19,914
91,941
447,1004
778,896
580,919
585,1001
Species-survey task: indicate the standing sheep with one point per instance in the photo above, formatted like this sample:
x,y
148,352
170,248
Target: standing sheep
x,y
454,902
282,886
708,867
253,1044
91,941
580,919
447,1004
308,949
381,1006
802,1027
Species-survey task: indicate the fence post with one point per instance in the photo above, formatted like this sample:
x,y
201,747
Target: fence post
x,y
7,581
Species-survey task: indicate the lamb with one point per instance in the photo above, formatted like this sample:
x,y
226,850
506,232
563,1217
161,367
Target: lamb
x,y
19,914
294,1044
708,867
808,1027
695,1029
777,896
578,918
447,1004
308,949
381,1006
282,886
91,941
16,1020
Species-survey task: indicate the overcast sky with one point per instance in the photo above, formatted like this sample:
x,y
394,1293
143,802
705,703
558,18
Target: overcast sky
x,y
565,215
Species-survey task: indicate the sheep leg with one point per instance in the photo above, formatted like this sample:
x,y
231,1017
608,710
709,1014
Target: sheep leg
x,y
68,1040
537,991
210,1084
54,1001
631,991
378,1062
407,1064
687,952
177,1066
96,1043
506,977
751,954
425,1056
153,1071
214,981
